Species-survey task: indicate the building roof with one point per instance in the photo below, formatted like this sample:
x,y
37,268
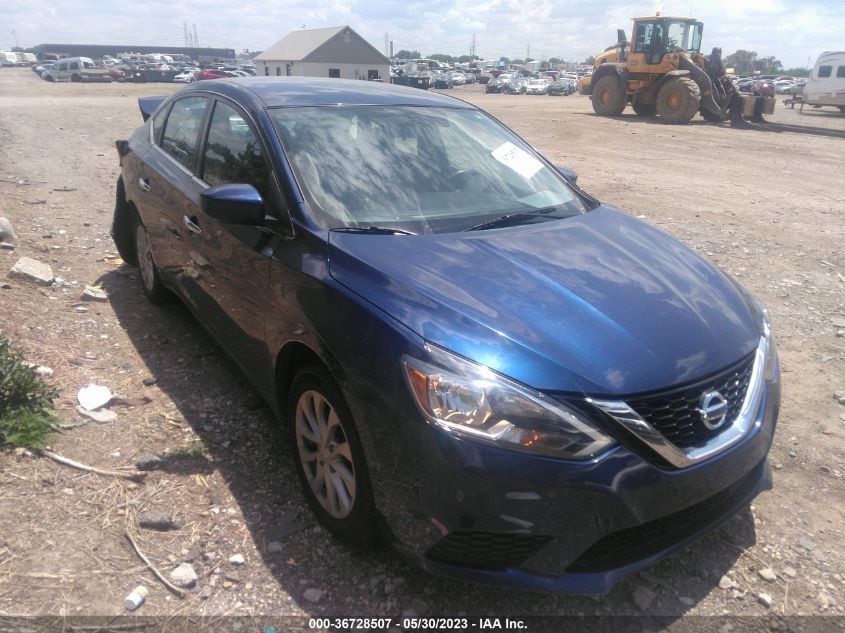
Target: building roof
x,y
306,45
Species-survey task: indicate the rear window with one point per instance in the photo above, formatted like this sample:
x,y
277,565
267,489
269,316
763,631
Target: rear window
x,y
840,72
824,71
182,128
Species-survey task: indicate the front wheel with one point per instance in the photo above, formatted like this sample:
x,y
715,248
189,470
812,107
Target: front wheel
x,y
608,97
678,100
329,457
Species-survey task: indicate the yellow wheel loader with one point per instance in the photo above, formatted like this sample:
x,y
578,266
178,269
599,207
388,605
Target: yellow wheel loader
x,y
662,72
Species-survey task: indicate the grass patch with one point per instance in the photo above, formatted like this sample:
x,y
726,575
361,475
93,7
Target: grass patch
x,y
26,402
194,449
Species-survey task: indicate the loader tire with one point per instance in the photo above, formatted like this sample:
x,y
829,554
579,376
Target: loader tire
x,y
713,118
608,97
678,100
644,109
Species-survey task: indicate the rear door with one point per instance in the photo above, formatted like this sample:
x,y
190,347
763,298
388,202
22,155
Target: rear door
x,y
169,190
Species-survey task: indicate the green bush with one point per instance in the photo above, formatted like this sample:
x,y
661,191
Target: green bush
x,y
26,401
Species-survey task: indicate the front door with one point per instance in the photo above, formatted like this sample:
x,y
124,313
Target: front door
x,y
236,259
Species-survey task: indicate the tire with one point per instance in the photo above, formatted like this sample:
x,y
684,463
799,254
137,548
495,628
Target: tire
x,y
644,109
841,109
326,442
608,97
678,100
150,278
713,118
123,225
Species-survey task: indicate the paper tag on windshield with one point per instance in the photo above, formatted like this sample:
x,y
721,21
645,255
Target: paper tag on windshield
x,y
517,159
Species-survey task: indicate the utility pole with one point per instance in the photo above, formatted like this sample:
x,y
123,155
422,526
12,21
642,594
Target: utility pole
x,y
472,46
196,37
14,33
386,44
185,33
527,52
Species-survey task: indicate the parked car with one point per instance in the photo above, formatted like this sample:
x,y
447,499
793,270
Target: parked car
x,y
76,69
537,87
41,68
485,77
458,78
516,86
442,80
186,77
570,393
469,78
211,73
562,87
498,84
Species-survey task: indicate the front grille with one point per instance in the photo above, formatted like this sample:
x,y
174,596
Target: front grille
x,y
673,413
624,547
486,550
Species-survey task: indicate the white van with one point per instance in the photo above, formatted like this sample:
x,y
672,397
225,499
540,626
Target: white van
x,y
8,59
76,69
826,83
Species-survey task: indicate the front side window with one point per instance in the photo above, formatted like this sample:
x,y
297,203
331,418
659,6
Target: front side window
x,y
182,128
840,72
825,71
62,66
423,170
233,153
645,31
74,66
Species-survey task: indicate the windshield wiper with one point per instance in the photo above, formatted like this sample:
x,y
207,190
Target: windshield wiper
x,y
373,230
513,219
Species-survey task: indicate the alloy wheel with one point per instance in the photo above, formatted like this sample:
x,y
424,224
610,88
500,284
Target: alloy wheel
x,y
325,454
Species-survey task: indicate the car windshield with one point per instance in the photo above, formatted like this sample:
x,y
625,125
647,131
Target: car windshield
x,y
417,169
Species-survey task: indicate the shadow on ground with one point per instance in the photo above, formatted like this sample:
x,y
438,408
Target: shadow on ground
x,y
755,127
243,444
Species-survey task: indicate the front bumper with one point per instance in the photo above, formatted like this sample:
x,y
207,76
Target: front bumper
x,y
489,515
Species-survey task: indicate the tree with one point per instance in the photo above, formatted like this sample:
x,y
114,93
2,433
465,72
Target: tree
x,y
406,54
590,60
797,72
463,59
768,65
446,59
555,60
741,61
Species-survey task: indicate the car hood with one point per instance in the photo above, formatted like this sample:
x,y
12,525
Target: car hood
x,y
599,304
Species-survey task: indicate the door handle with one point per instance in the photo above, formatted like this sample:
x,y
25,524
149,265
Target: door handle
x,y
144,184
191,223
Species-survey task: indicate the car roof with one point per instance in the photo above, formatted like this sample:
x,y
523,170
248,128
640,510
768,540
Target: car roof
x,y
303,91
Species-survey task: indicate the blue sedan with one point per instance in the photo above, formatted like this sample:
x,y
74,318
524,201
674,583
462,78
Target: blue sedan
x,y
473,358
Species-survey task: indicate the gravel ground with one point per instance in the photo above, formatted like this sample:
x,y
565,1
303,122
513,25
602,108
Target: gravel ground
x,y
765,205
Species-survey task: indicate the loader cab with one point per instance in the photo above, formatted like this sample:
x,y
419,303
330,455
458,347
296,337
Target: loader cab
x,y
655,37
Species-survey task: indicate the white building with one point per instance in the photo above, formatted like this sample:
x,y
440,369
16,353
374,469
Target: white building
x,y
335,52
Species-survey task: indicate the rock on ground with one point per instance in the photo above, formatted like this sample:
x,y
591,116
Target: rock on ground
x,y
313,595
183,576
93,293
768,574
643,597
32,270
7,232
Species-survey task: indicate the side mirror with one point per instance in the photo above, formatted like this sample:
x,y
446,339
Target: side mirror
x,y
233,204
568,174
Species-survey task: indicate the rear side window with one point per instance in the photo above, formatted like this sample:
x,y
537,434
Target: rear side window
x,y
182,129
233,153
62,66
840,72
824,71
74,66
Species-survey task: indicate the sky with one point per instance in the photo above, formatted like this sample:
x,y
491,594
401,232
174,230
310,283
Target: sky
x,y
793,31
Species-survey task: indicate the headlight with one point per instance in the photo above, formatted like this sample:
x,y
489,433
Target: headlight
x,y
762,316
472,401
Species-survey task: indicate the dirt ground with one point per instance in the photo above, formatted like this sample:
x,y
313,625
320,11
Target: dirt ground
x,y
766,205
